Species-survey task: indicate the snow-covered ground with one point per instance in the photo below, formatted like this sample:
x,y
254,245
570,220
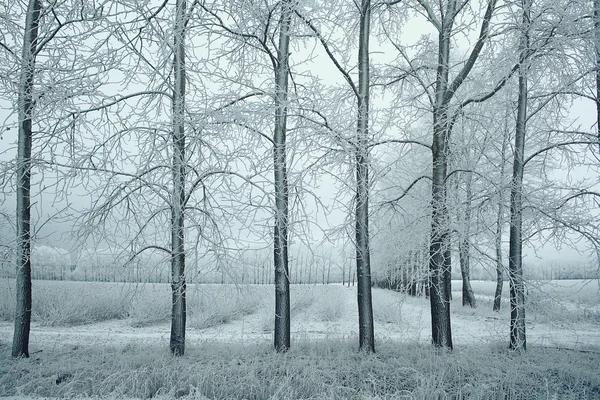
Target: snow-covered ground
x,y
323,312
109,341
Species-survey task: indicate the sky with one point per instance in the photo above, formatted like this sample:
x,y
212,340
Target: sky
x,y
57,233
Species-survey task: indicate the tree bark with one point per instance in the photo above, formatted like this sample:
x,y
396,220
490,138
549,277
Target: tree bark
x,y
25,110
468,298
439,251
515,262
499,224
282,335
363,258
597,50
178,284
499,263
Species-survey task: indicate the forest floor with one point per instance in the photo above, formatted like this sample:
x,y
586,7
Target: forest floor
x,y
118,332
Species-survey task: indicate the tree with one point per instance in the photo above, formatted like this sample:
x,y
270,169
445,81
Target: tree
x,y
597,59
441,102
515,252
282,337
499,227
363,255
178,285
25,113
464,245
361,147
58,71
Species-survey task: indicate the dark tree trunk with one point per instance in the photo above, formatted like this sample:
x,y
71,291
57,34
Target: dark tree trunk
x,y
178,285
282,338
25,109
363,257
499,271
439,250
499,226
464,249
515,262
597,50
468,298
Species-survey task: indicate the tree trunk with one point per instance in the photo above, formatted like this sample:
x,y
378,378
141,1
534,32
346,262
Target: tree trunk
x,y
25,109
597,49
178,285
464,250
468,298
439,251
499,224
282,338
499,264
363,258
515,262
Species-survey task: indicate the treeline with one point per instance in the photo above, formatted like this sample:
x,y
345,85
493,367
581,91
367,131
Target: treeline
x,y
404,272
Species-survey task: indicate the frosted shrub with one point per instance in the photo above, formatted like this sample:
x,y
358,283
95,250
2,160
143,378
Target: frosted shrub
x,y
150,305
387,307
301,298
7,299
76,303
331,308
213,305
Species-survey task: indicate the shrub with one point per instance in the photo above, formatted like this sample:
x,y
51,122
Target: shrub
x,y
331,308
150,304
213,305
387,306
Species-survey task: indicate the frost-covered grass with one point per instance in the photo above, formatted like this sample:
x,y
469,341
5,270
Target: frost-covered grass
x,y
311,370
229,352
213,305
63,303
547,302
68,303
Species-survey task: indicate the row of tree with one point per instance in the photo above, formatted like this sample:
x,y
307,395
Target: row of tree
x,y
201,127
396,270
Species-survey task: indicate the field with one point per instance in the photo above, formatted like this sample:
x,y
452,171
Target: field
x,y
110,340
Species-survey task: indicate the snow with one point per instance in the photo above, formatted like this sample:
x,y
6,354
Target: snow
x,y
329,312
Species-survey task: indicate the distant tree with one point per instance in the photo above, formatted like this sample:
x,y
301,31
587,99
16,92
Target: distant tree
x,y
464,244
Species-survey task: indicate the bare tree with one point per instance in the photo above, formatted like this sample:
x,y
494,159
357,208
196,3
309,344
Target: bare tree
x,y
178,285
363,255
362,162
25,113
499,228
280,240
445,89
515,252
597,59
464,245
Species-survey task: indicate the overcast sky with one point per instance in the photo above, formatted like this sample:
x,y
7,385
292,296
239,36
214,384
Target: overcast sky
x,y
57,233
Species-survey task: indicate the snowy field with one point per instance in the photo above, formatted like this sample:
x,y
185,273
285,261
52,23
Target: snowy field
x,y
111,340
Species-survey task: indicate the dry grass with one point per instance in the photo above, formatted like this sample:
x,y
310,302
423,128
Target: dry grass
x,y
75,303
311,370
327,369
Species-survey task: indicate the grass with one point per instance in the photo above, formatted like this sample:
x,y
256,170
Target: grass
x,y
215,305
387,307
64,303
311,370
330,308
302,297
